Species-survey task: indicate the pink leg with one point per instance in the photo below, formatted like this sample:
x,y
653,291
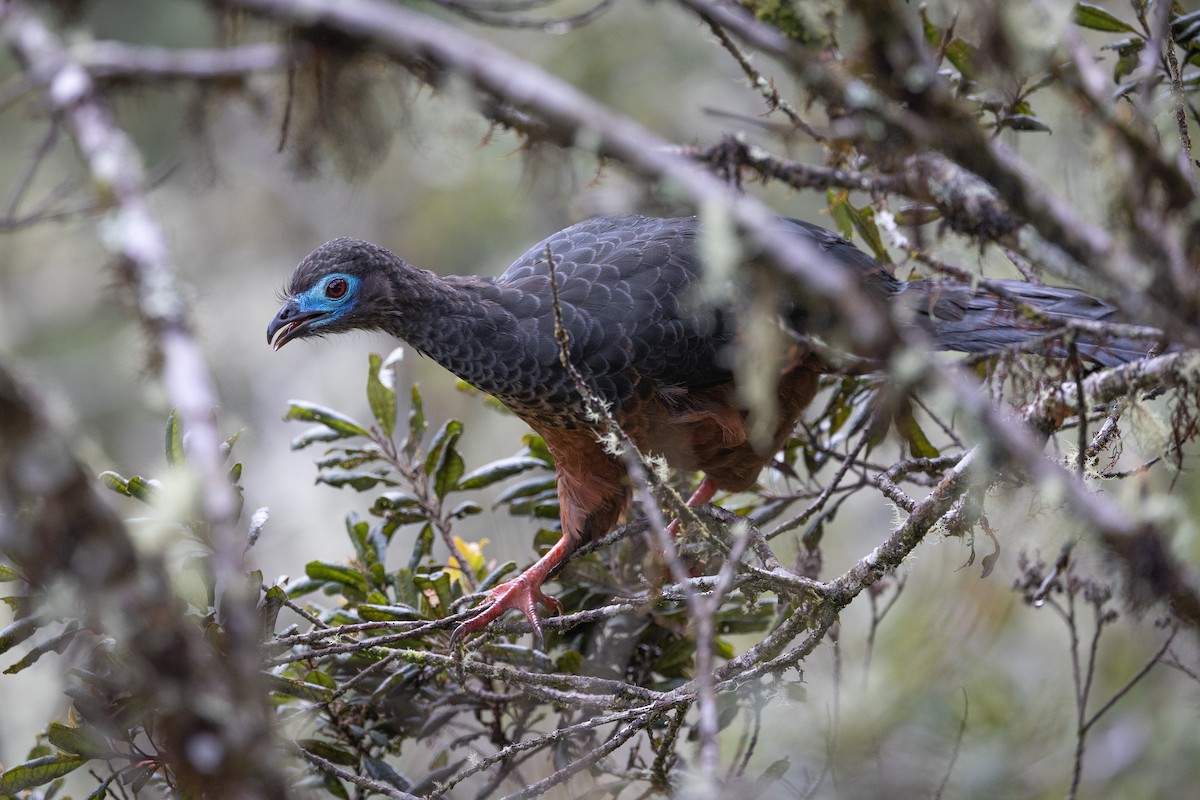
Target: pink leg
x,y
704,492
523,593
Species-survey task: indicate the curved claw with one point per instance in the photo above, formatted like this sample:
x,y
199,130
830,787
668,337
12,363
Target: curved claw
x,y
524,594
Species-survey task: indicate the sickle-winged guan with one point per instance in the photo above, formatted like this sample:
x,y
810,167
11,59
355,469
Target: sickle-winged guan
x,y
660,360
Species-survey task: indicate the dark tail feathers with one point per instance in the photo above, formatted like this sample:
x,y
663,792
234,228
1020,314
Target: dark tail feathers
x,y
977,320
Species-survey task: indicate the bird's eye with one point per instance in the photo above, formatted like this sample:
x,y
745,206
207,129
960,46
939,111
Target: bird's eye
x,y
336,289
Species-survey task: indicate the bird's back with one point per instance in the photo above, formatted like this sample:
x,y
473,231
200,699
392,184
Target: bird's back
x,y
629,294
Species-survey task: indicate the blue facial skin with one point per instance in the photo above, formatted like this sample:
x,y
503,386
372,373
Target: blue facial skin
x,y
326,302
317,299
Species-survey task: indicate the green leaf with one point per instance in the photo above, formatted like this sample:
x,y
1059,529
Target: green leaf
x,y
537,448
311,412
355,479
528,488
439,582
174,441
1185,27
399,508
329,752
1087,15
299,689
337,573
416,423
918,443
371,612
79,741
39,772
443,462
465,509
114,482
317,434
138,487
422,547
143,489
17,632
57,644
958,52
447,435
381,398
7,573
917,214
498,471
302,587
227,445
269,606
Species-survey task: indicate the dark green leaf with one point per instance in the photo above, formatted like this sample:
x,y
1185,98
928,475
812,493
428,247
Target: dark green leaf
x,y
443,442
269,606
38,772
498,471
317,434
381,771
675,654
528,488
143,489
174,443
465,509
356,479
962,55
1087,15
449,469
338,573
439,583
394,501
537,448
79,741
115,482
311,412
371,612
299,689
908,427
381,398
18,632
416,423
422,547
917,214
302,587
1185,28
334,787
329,752
56,644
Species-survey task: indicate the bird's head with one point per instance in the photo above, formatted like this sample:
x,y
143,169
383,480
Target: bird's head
x,y
329,291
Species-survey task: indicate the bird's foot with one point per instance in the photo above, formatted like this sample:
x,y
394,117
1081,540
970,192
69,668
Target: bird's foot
x,y
524,594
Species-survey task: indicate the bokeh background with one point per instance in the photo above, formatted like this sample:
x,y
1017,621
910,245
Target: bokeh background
x,y
436,184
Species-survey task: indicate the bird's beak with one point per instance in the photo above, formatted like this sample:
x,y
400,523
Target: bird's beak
x,y
290,323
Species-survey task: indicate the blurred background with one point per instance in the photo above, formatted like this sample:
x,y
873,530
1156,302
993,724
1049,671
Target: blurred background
x,y
437,185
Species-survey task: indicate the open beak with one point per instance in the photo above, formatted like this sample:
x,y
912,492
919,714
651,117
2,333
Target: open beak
x,y
290,323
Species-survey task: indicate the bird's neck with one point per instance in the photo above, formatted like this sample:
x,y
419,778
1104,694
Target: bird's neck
x,y
456,321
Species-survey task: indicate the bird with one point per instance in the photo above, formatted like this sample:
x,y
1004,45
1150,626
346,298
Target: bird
x,y
642,338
